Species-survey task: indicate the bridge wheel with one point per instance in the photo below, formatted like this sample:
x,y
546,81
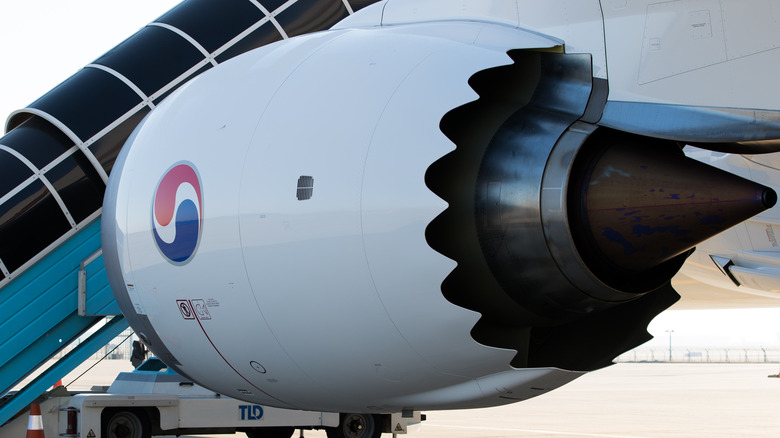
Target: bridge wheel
x,y
126,424
356,426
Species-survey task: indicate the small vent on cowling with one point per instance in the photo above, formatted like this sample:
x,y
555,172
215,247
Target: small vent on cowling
x,y
305,187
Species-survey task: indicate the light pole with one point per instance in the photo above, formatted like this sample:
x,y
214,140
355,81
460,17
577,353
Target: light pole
x,y
670,344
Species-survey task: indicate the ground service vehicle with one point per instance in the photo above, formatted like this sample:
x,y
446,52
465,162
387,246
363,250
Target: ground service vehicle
x,y
154,400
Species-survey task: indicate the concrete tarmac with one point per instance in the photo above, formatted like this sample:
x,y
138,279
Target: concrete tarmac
x,y
645,400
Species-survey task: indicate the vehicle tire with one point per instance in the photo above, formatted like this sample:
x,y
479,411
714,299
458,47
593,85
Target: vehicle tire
x,y
270,432
126,424
356,426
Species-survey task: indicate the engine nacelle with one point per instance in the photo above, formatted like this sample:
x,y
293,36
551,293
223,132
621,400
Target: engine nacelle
x,y
407,217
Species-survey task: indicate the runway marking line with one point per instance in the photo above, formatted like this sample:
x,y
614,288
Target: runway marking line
x,y
546,432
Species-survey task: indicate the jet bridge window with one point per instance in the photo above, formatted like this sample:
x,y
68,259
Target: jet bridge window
x,y
79,186
360,4
38,141
265,34
29,222
298,18
88,101
107,148
145,58
213,24
14,172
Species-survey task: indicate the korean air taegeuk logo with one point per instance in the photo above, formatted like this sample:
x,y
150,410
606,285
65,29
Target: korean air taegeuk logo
x,y
177,213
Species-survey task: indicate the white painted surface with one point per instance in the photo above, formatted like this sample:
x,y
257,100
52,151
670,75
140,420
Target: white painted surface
x,y
358,111
694,52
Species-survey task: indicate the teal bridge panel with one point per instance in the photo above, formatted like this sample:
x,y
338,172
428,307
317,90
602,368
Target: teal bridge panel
x,y
51,304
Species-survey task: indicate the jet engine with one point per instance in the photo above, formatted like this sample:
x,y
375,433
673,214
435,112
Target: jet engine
x,y
416,216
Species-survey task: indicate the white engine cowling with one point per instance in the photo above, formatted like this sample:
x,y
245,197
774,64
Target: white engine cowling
x,y
308,281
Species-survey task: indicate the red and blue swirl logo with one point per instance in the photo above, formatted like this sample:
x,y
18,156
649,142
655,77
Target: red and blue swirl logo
x,y
177,213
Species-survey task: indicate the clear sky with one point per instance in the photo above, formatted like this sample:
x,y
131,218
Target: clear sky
x,y
719,328
43,42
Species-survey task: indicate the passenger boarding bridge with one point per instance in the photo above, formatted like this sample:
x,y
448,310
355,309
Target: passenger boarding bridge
x,y
54,163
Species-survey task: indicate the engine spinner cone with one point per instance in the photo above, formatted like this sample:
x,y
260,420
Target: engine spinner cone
x,y
642,205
